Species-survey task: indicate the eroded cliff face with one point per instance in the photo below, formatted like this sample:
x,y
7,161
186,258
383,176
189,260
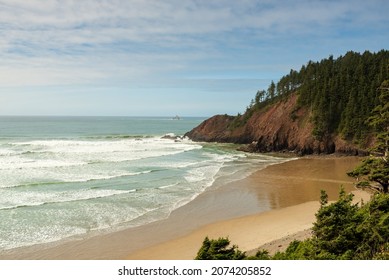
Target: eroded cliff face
x,y
279,127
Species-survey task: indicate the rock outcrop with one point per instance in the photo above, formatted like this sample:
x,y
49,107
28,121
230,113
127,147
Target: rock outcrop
x,y
279,127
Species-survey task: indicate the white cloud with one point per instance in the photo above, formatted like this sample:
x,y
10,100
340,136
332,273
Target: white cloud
x,y
91,21
71,41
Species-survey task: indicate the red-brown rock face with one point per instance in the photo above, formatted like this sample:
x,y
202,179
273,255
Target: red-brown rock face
x,y
279,127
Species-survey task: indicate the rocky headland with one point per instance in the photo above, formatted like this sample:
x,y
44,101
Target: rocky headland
x,y
323,108
279,127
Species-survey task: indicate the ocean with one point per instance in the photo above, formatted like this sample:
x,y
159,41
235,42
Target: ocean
x,y
70,177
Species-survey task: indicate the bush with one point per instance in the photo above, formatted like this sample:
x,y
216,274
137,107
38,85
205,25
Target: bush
x,y
342,231
219,250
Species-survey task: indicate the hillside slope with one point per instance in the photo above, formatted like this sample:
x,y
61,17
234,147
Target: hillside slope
x,y
278,127
322,108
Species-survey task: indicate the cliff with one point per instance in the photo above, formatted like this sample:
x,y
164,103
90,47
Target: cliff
x,y
277,127
310,111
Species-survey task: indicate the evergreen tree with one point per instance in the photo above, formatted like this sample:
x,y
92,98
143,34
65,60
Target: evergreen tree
x,y
340,94
272,90
343,230
372,169
376,168
219,249
334,230
260,97
380,120
374,229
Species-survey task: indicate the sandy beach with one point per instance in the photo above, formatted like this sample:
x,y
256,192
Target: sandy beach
x,y
294,189
276,203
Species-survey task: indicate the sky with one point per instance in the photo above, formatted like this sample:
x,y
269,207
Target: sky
x,y
172,57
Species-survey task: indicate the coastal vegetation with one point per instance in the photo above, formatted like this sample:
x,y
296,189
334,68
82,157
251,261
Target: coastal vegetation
x,y
321,108
342,231
219,249
347,96
340,94
376,167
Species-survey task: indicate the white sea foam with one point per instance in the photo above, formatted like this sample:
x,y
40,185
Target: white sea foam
x,y
59,188
11,199
168,186
23,177
70,160
112,151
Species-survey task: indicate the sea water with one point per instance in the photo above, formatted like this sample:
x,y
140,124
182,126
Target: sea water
x,y
64,177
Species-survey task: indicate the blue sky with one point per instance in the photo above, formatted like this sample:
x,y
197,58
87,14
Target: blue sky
x,y
162,58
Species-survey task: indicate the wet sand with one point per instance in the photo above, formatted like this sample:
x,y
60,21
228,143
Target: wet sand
x,y
280,200
292,191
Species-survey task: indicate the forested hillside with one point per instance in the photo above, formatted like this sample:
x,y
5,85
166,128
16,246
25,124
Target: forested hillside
x,y
340,93
331,98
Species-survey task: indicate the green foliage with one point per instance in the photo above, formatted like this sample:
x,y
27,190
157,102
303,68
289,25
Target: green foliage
x,y
219,250
339,93
261,255
342,92
297,250
374,229
334,230
380,120
343,98
376,168
240,120
342,231
323,198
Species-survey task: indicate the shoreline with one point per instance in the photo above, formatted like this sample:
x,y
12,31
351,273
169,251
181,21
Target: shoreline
x,y
292,185
271,230
246,232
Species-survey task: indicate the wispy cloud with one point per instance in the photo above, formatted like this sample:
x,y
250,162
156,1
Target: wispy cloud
x,y
138,43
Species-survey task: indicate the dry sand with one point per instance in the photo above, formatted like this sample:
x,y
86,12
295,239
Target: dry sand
x,y
276,203
271,230
248,232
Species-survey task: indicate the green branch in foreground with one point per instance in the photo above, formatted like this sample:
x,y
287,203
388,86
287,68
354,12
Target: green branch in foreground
x,y
342,231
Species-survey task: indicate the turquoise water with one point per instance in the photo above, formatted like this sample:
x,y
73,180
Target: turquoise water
x,y
63,177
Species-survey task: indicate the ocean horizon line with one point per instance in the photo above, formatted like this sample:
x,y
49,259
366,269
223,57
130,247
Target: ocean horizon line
x,y
104,116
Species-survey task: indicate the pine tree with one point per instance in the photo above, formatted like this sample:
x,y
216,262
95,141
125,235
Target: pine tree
x,y
380,120
339,94
272,90
376,167
219,249
334,230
